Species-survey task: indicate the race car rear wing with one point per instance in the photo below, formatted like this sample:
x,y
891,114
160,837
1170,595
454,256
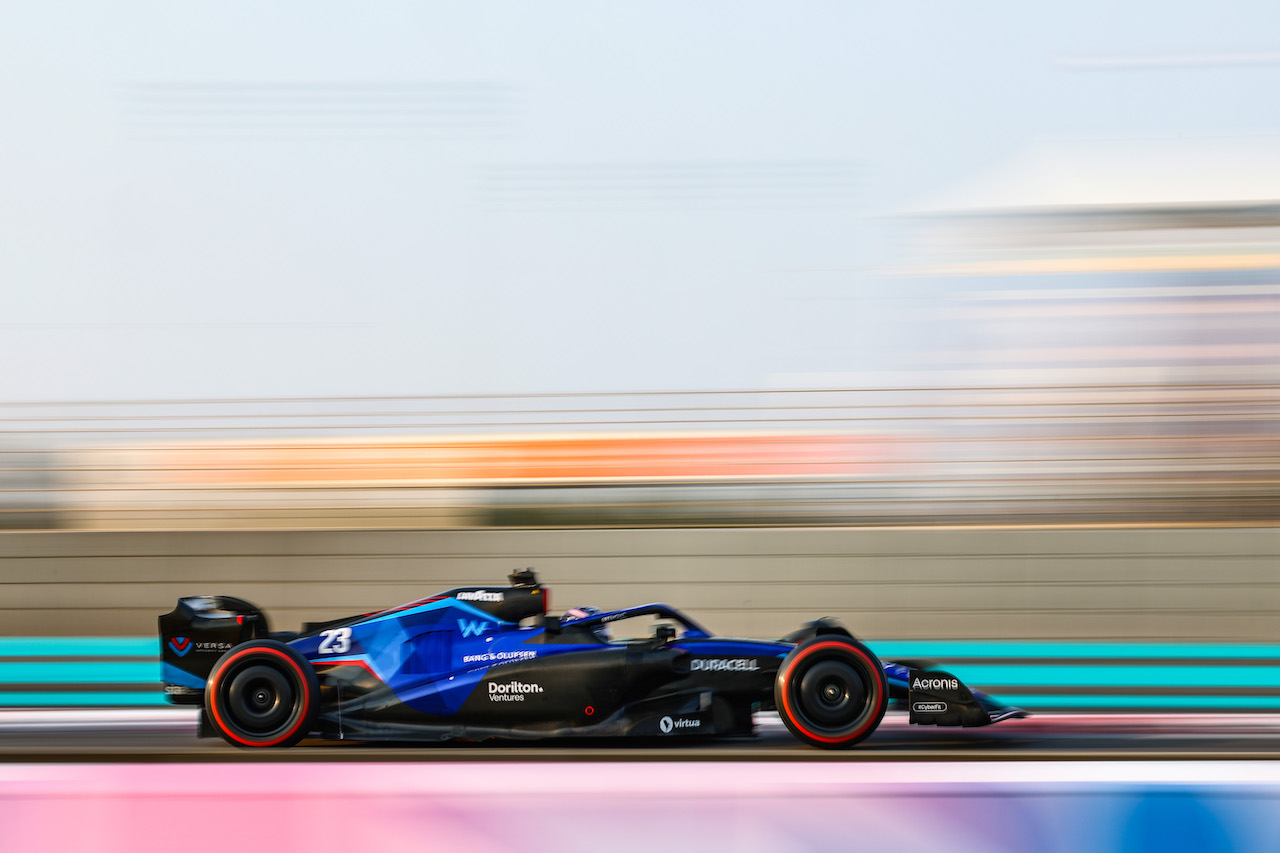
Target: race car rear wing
x,y
195,634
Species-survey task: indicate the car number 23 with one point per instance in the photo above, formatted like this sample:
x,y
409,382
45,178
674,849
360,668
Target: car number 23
x,y
336,641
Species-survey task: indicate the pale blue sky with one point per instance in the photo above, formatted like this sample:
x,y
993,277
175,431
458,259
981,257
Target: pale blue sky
x,y
237,199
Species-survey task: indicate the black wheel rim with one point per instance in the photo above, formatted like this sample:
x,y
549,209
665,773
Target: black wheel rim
x,y
832,695
259,700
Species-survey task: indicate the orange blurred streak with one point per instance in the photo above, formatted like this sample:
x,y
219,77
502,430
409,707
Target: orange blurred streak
x,y
550,458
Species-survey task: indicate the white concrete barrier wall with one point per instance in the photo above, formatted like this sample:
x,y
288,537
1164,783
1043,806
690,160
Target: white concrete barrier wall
x,y
1151,584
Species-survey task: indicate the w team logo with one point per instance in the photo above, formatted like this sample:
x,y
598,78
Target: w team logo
x,y
180,646
472,629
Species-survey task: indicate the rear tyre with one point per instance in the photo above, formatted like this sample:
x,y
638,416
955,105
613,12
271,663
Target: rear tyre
x,y
262,693
831,691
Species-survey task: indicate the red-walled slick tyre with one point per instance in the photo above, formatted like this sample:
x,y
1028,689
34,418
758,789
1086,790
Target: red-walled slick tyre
x,y
831,691
262,693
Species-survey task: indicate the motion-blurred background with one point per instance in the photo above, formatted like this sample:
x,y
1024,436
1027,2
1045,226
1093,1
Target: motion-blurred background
x,y
961,324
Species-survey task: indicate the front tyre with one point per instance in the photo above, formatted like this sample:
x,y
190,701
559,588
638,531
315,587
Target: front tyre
x,y
262,693
831,691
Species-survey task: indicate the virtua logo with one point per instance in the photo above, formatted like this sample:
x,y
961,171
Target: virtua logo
x,y
180,646
666,724
471,628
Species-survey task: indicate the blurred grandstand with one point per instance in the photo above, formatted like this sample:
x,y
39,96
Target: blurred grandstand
x,y
1177,452
1106,350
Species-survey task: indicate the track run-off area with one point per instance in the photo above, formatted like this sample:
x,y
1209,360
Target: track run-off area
x,y
170,735
140,779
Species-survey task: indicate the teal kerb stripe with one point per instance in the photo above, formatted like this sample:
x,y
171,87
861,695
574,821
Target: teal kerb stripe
x,y
78,700
30,647
100,672
951,649
1115,675
1188,703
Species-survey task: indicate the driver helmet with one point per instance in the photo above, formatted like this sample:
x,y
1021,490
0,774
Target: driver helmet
x,y
586,610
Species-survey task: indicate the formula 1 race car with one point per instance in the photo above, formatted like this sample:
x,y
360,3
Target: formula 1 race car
x,y
461,665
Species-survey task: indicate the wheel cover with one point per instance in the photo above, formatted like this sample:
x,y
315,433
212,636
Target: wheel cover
x,y
257,699
260,699
831,694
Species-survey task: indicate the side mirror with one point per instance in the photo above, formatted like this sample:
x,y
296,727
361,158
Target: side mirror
x,y
552,624
664,634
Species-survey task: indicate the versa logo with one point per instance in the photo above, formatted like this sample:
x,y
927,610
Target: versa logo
x,y
180,646
472,629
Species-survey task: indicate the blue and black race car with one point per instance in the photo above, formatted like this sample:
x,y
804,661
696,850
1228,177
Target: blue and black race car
x,y
490,662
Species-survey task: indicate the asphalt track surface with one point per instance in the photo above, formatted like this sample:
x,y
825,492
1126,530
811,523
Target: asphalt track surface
x,y
169,735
